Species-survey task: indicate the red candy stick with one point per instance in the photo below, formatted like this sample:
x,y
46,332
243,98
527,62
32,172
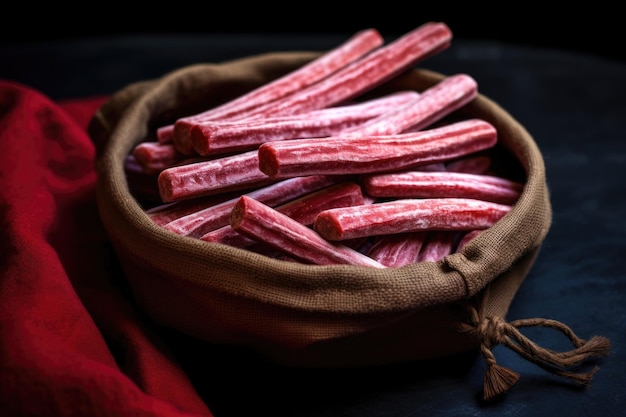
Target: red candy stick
x,y
264,224
409,215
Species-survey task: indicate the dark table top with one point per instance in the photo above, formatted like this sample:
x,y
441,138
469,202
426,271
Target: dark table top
x,y
573,104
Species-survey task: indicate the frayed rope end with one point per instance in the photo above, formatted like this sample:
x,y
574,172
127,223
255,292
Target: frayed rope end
x,y
498,380
598,346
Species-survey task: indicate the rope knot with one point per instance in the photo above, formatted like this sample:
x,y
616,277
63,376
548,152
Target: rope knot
x,y
490,331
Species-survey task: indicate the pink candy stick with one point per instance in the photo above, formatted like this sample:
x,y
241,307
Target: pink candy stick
x,y
438,244
367,154
265,224
366,73
355,47
437,184
443,98
408,215
204,219
398,249
154,157
303,209
214,176
221,136
168,212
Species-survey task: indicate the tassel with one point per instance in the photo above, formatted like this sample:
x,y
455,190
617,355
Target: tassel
x,y
498,380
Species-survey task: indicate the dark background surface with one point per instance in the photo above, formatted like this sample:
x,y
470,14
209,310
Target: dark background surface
x,y
37,51
568,90
592,27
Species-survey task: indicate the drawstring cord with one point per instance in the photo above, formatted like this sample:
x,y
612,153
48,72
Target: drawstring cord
x,y
493,331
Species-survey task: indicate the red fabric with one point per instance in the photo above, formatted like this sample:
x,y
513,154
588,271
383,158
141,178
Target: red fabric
x,y
61,313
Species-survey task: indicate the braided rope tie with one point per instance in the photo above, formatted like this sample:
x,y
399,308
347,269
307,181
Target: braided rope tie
x,y
493,331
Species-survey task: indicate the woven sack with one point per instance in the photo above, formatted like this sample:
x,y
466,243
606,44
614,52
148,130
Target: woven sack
x,y
326,316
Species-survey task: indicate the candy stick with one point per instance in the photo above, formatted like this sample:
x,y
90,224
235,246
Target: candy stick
x,y
433,104
365,73
214,176
265,224
369,154
437,184
408,215
358,45
398,249
220,136
303,209
154,157
201,220
438,244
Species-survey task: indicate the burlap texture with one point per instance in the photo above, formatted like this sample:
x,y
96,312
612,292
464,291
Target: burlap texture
x,y
295,313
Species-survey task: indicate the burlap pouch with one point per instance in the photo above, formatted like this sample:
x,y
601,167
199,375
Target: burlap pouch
x,y
326,316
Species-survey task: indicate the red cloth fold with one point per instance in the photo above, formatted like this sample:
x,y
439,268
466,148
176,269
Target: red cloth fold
x,y
62,310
